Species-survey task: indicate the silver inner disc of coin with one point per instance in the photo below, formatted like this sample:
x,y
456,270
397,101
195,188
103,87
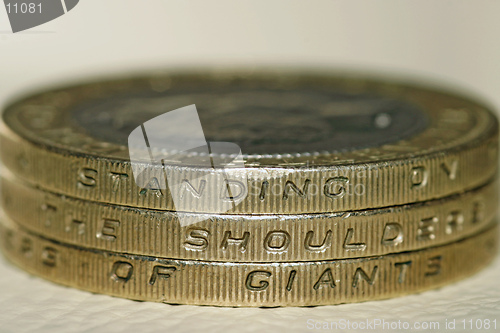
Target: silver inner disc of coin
x,y
263,120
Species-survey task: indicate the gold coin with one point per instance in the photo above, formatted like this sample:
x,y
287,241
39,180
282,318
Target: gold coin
x,y
249,284
309,143
249,238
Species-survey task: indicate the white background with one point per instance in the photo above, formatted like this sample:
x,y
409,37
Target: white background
x,y
449,42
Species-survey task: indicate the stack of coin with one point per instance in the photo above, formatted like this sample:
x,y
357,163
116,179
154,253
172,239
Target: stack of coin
x,y
249,189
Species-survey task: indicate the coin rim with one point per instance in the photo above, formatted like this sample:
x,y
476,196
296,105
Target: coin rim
x,y
222,284
158,233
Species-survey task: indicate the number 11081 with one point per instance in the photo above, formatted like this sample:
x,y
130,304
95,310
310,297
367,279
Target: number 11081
x,y
24,8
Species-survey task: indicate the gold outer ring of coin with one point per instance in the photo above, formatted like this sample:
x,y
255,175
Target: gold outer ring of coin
x,y
243,238
249,284
456,152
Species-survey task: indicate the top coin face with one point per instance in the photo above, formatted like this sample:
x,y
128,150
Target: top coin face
x,y
269,121
275,119
264,140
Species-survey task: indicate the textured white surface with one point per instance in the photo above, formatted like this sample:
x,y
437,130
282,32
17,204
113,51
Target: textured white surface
x,y
30,304
453,41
